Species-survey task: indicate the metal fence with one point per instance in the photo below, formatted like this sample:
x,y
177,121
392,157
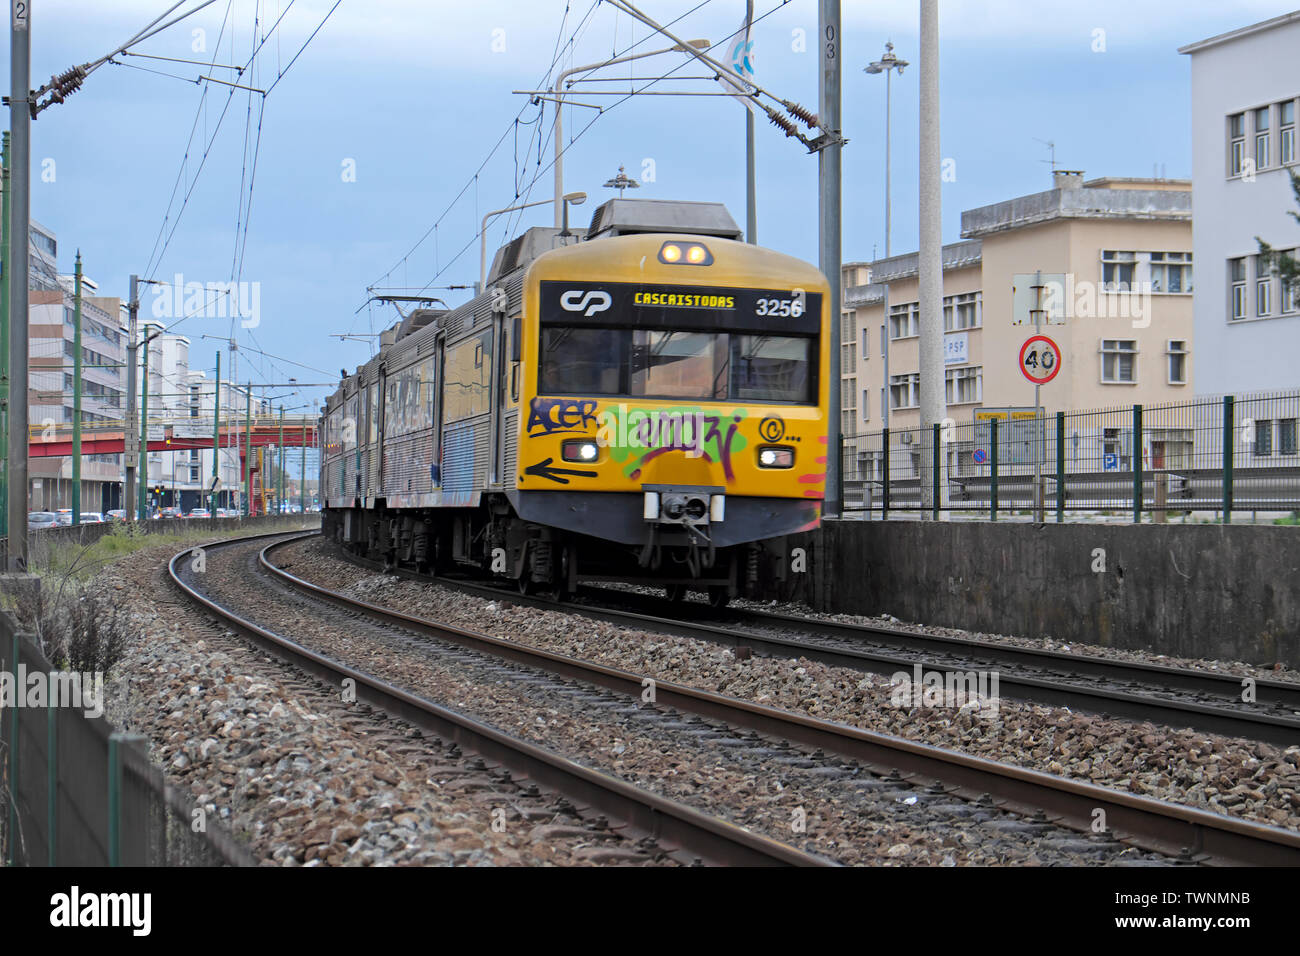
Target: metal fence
x,y
74,793
1209,455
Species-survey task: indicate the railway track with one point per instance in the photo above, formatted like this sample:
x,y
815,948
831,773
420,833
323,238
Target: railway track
x,y
1162,694
1181,832
683,832
1174,696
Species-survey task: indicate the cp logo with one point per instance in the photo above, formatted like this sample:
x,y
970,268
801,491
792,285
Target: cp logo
x,y
599,301
772,428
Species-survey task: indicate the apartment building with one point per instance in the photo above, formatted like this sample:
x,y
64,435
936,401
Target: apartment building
x,y
52,381
1116,260
1245,95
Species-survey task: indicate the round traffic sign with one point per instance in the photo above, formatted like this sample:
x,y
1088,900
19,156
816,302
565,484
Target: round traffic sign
x,y
1040,359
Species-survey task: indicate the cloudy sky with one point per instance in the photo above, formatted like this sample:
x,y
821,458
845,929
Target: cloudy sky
x,y
372,159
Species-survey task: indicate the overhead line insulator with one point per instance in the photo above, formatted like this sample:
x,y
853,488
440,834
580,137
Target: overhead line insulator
x,y
802,112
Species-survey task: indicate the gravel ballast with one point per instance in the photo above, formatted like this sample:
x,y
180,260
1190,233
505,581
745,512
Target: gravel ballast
x,y
1248,779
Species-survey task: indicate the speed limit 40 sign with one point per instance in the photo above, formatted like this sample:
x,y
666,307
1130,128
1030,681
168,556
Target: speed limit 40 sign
x,y
1040,359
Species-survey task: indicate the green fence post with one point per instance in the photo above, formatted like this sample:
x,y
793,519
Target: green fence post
x,y
1137,464
993,469
13,760
1060,467
1228,427
934,471
884,493
115,800
52,785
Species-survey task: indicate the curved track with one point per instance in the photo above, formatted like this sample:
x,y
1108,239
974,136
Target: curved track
x,y
682,831
1189,834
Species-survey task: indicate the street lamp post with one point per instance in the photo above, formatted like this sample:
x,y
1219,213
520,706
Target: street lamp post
x,y
557,123
576,198
887,64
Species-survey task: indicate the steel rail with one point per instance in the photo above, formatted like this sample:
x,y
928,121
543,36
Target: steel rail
x,y
684,832
1174,830
1203,716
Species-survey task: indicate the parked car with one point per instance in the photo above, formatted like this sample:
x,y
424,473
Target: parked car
x,y
92,517
64,517
36,520
199,513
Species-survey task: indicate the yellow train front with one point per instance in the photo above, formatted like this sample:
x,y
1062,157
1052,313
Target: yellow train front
x,y
659,392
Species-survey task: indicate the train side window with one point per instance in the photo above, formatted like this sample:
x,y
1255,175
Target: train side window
x,y
514,382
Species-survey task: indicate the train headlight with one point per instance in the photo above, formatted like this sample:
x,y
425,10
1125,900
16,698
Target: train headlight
x,y
583,450
775,456
689,253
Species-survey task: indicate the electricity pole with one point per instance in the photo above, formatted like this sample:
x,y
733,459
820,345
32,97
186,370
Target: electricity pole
x,y
248,451
129,450
20,127
930,262
216,438
829,173
5,240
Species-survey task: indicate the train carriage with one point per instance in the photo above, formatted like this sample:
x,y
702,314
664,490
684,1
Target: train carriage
x,y
641,401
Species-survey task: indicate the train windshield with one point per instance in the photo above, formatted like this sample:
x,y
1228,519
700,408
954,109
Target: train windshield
x,y
677,364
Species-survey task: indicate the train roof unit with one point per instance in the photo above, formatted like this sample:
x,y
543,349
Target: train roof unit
x,y
628,217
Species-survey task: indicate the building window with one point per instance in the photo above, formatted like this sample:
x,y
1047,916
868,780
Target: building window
x,y
1263,437
1263,287
1261,138
866,404
1237,274
1117,270
905,390
1286,436
961,312
1288,289
1171,272
1177,352
865,339
1119,361
904,320
964,385
1286,130
1237,144
848,364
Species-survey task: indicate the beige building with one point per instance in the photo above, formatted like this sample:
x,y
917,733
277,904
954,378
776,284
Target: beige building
x,y
1116,263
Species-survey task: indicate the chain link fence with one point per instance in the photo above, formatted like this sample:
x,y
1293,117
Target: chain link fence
x,y
1209,457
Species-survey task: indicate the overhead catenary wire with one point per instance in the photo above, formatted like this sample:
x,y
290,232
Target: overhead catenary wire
x,y
540,172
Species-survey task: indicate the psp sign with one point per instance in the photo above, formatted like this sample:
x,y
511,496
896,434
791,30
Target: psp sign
x,y
588,303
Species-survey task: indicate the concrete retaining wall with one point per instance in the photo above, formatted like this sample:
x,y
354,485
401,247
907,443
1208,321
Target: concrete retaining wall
x,y
1187,590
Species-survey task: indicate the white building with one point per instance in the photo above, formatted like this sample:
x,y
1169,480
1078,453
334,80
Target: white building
x,y
1245,91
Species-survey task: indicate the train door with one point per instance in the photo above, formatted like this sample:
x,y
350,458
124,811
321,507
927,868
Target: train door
x,y
376,430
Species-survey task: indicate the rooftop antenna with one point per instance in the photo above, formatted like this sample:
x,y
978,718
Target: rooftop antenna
x,y
1051,152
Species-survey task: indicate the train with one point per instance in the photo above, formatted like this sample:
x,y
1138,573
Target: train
x,y
643,400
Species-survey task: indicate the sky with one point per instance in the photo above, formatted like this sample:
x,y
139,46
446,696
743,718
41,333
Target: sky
x,y
370,159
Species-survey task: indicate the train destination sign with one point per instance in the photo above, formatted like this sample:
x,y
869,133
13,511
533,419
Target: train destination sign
x,y
585,302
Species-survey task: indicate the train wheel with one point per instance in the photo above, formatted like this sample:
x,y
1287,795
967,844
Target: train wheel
x,y
719,596
675,593
558,589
